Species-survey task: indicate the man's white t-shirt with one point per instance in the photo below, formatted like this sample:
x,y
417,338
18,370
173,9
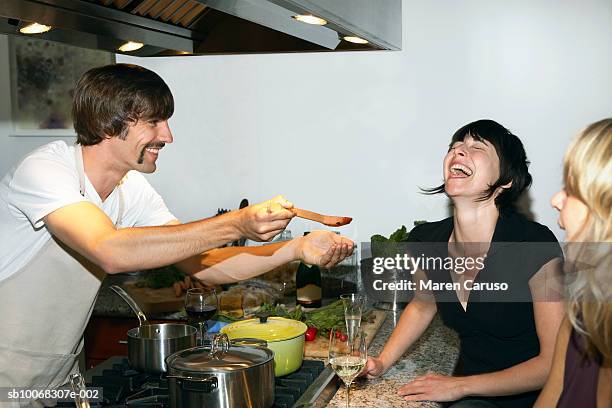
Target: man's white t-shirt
x,y
46,180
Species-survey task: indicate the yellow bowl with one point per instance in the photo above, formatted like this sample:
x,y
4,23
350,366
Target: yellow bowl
x,y
285,337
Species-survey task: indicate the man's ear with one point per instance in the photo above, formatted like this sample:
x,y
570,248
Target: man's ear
x,y
506,186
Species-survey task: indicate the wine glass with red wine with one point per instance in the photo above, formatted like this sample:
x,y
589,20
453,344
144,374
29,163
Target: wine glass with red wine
x,y
201,305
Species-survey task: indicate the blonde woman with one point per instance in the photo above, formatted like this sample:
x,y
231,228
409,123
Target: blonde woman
x,y
582,364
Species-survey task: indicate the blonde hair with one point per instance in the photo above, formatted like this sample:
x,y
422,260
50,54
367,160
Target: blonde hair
x,y
588,177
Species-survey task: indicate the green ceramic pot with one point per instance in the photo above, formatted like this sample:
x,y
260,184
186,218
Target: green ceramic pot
x,y
285,337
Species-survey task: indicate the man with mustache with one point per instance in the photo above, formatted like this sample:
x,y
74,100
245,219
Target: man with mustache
x,y
69,215
150,145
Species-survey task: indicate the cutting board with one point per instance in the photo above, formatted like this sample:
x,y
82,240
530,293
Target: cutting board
x,y
155,301
319,348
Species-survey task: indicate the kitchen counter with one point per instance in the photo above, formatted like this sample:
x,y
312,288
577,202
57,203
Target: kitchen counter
x,y
436,351
109,304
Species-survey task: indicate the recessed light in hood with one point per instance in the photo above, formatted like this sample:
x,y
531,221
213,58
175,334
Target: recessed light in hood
x,y
310,19
130,46
34,28
354,40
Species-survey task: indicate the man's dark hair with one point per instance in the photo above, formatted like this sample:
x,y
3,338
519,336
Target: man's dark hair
x,y
513,163
108,99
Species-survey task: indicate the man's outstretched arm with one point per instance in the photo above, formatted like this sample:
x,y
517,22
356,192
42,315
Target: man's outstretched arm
x,y
86,229
224,265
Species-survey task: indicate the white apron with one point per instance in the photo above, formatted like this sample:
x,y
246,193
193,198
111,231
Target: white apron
x,y
44,309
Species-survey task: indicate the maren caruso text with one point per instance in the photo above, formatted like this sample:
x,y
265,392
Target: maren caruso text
x,y
439,286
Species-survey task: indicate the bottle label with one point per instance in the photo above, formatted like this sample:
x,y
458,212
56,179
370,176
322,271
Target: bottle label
x,y
309,294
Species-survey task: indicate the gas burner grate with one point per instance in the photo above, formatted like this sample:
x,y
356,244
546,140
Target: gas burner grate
x,y
290,387
126,388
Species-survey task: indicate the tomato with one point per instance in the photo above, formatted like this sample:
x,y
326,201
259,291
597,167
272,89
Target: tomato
x,y
343,337
311,333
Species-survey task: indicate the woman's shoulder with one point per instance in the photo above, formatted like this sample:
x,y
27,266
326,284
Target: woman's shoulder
x,y
535,242
529,230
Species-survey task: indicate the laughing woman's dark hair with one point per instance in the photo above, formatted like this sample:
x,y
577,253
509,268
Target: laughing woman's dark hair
x,y
108,99
513,163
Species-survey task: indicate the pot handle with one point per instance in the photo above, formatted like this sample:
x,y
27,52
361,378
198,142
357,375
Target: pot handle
x,y
249,341
142,319
208,384
220,344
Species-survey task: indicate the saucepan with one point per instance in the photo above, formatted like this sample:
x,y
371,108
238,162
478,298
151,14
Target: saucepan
x,y
150,344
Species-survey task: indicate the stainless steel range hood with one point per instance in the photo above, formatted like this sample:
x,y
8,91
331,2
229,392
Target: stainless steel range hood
x,y
181,27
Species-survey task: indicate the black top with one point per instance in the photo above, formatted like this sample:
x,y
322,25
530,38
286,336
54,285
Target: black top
x,y
496,331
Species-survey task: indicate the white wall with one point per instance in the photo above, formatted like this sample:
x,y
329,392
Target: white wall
x,y
357,133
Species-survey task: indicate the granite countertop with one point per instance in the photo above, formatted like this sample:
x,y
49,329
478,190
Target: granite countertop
x,y
436,351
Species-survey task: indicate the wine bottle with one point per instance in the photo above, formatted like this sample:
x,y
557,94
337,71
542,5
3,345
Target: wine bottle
x,y
308,285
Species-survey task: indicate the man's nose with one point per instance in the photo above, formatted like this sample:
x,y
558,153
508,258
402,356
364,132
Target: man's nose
x,y
165,134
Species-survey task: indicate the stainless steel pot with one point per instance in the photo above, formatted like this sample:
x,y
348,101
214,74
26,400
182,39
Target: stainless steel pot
x,y
223,375
150,344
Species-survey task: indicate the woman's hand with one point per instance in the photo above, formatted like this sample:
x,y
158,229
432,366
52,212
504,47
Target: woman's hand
x,y
434,387
323,248
374,368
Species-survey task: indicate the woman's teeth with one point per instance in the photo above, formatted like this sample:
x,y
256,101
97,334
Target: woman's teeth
x,y
459,170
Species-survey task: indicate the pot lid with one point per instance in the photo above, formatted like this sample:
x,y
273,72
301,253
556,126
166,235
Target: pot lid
x,y
202,360
270,329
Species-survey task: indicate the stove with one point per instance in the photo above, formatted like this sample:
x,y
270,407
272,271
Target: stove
x,y
125,387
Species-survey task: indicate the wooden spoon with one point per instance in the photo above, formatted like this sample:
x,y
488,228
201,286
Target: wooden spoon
x,y
329,220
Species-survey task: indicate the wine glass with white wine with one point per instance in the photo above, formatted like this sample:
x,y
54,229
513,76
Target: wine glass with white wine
x,y
347,356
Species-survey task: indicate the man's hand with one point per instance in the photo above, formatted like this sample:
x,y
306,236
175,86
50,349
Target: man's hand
x,y
262,222
374,368
323,248
434,387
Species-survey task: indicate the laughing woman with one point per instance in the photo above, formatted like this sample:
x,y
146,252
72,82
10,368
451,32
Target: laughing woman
x,y
506,348
582,363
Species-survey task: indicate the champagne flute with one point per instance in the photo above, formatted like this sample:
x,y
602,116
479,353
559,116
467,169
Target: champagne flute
x,y
353,307
347,356
201,305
